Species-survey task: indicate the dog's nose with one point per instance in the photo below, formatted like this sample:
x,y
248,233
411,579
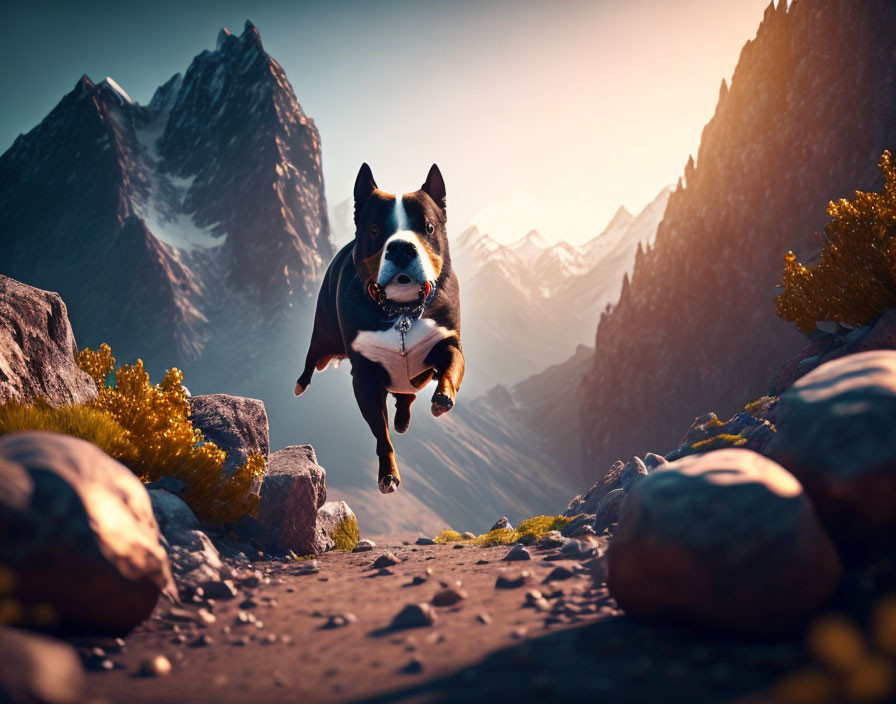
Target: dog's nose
x,y
400,252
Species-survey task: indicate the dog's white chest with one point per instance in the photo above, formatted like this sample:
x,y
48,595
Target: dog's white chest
x,y
384,347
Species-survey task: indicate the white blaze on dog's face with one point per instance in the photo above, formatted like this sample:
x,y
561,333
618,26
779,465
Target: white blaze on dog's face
x,y
400,240
404,264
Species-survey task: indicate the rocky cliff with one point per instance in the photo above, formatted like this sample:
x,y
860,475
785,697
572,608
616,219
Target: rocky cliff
x,y
810,109
171,227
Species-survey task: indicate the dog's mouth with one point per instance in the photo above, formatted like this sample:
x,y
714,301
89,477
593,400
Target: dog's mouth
x,y
401,289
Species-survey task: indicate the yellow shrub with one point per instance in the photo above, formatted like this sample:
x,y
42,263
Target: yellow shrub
x,y
83,422
855,277
448,536
161,440
717,442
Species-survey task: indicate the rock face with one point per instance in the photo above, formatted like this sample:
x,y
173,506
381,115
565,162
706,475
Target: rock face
x,y
237,425
77,531
836,434
38,670
38,354
294,488
174,207
727,539
774,154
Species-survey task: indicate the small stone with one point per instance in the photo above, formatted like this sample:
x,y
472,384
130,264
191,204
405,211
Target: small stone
x,y
223,589
512,581
418,580
364,546
157,666
206,617
424,541
467,535
517,552
269,639
176,613
203,641
340,620
518,633
383,572
385,560
533,595
458,546
414,616
559,573
484,619
448,597
502,524
551,539
428,570
413,666
248,603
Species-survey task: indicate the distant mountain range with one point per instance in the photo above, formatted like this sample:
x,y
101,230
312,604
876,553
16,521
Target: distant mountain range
x,y
172,230
528,304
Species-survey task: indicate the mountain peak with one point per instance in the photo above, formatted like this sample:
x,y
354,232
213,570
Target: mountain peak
x,y
223,35
120,92
250,34
83,85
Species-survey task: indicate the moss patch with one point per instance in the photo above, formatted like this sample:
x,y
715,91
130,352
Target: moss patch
x,y
447,536
718,442
346,535
527,532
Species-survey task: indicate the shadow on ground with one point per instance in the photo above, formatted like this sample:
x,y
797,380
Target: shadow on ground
x,y
615,660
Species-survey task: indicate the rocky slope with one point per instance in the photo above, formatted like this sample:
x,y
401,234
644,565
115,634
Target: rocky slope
x,y
810,109
170,227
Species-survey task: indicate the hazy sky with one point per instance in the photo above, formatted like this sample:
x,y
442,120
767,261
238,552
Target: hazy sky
x,y
541,114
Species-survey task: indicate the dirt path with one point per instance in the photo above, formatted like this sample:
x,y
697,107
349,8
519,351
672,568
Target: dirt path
x,y
487,646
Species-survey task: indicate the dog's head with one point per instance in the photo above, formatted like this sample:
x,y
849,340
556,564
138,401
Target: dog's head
x,y
400,243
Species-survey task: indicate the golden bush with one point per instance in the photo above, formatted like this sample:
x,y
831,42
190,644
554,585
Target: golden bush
x,y
160,440
855,277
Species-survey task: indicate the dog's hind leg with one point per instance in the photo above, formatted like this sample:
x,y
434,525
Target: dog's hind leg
x,y
403,411
326,344
370,393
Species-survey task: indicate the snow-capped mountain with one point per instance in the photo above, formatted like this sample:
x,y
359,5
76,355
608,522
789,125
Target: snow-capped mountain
x,y
526,304
173,227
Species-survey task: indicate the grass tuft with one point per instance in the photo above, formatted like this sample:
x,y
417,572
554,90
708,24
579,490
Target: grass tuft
x,y
447,536
346,535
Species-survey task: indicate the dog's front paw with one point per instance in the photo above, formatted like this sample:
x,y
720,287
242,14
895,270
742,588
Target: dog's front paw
x,y
389,483
299,390
441,403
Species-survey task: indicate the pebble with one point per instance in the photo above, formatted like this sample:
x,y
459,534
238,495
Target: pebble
x,y
203,641
458,546
248,603
364,546
448,597
502,524
533,595
385,560
519,633
414,616
223,589
512,581
157,666
340,620
484,619
517,552
424,541
551,539
467,535
206,617
383,572
413,666
418,580
559,573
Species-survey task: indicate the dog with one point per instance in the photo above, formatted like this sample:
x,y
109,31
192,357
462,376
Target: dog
x,y
390,303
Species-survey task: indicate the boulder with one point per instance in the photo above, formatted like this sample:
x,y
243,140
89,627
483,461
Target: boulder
x,y
35,669
293,489
38,354
592,498
503,523
337,527
194,559
708,433
727,539
836,434
78,534
632,470
237,425
608,510
172,514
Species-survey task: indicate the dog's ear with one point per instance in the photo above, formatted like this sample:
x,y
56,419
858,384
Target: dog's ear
x,y
364,186
434,186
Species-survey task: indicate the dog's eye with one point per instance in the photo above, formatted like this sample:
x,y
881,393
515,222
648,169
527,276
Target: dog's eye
x,y
374,230
430,228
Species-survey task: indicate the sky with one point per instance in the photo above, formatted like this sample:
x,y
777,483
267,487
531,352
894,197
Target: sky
x,y
544,115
